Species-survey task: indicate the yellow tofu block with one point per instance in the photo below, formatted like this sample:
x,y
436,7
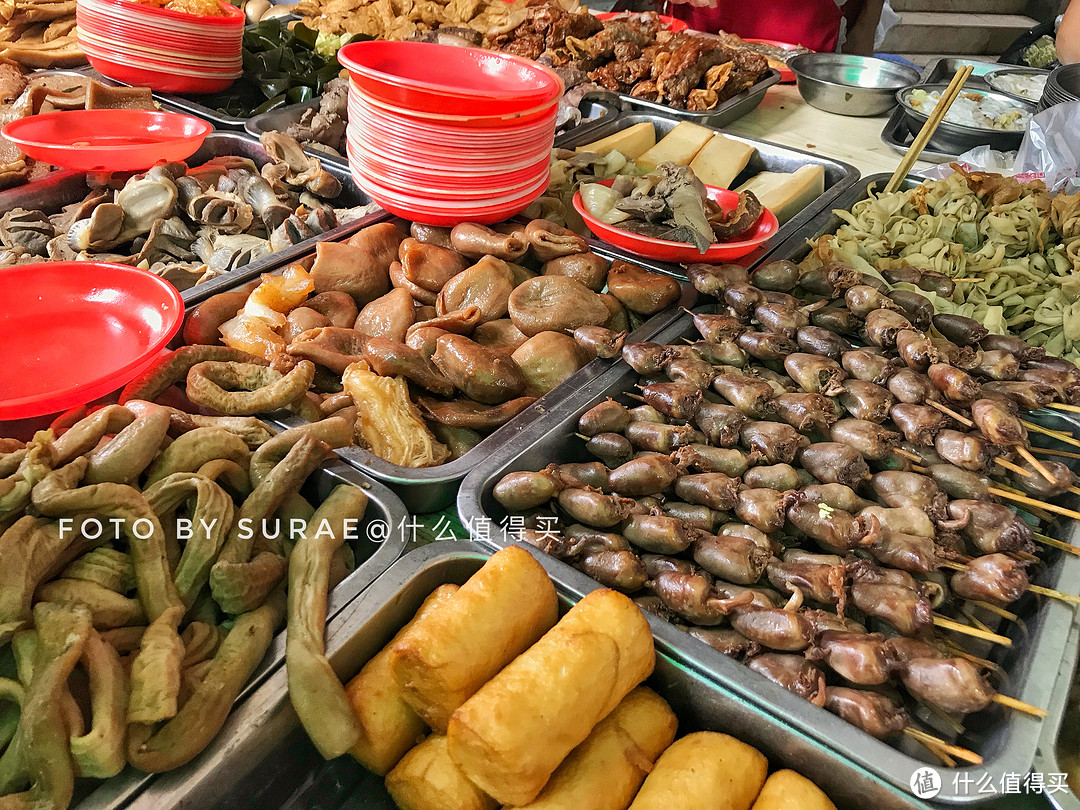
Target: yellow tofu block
x,y
681,146
721,160
631,142
787,194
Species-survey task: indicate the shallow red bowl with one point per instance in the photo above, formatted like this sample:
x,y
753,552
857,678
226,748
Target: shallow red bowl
x,y
464,160
74,331
157,79
787,75
450,219
663,250
443,183
448,80
158,55
170,45
118,140
359,108
670,23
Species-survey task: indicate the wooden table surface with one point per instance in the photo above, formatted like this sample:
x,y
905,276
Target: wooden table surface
x,y
783,117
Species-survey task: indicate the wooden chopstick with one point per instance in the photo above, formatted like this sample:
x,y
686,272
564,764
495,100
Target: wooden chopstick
x,y
927,132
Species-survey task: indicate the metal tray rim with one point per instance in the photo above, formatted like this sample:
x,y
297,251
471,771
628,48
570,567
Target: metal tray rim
x,y
866,751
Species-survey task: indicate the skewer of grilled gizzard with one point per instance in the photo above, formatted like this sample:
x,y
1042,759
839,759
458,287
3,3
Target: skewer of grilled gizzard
x,y
758,435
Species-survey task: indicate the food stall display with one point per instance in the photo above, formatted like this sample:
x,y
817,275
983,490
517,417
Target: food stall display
x,y
976,244
428,342
165,626
189,224
778,508
776,533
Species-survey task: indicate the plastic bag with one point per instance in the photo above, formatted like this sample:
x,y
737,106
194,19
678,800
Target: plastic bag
x,y
1049,152
1051,149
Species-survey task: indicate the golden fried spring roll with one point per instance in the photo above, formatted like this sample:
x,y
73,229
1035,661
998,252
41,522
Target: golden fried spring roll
x,y
494,617
427,779
512,734
704,771
787,790
390,727
606,771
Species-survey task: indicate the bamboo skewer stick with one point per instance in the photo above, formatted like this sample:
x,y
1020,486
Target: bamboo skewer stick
x,y
1016,468
1058,544
1034,462
1049,507
1043,451
1053,434
1061,406
948,624
907,454
1074,490
937,115
932,742
1062,597
1008,615
966,280
1019,705
945,409
967,614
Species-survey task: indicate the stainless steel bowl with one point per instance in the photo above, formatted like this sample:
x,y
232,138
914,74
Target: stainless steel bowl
x,y
959,138
994,80
850,85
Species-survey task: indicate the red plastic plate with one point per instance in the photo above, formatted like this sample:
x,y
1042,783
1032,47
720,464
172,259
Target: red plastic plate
x,y
116,140
74,331
682,252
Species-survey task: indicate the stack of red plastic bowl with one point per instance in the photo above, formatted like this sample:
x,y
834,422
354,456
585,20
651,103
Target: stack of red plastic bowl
x,y
164,50
441,134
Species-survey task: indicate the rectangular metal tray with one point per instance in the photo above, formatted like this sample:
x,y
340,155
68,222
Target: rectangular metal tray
x,y
944,68
187,104
725,113
596,109
1006,740
896,134
1046,759
431,489
263,758
65,187
770,157
383,540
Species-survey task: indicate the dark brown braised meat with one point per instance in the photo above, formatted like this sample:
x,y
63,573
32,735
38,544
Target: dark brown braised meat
x,y
873,712
794,673
954,685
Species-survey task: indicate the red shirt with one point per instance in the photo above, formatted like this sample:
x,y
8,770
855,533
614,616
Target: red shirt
x,y
814,24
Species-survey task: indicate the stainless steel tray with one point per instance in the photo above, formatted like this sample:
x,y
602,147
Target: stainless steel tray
x,y
263,758
897,135
1046,758
383,540
725,113
596,109
944,68
1006,740
431,489
62,188
187,104
770,157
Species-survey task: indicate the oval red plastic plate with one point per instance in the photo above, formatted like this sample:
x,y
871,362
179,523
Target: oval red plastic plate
x,y
682,252
115,140
74,331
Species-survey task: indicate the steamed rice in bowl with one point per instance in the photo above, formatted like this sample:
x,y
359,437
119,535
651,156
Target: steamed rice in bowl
x,y
974,110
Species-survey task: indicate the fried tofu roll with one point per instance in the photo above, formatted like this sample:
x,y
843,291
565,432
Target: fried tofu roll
x,y
787,790
498,614
427,779
512,734
390,727
606,771
704,771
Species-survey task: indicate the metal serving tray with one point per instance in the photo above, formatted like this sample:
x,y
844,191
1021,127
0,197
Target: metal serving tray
x,y
1046,758
431,489
897,135
725,113
596,108
383,540
62,188
1006,740
944,68
263,757
770,157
